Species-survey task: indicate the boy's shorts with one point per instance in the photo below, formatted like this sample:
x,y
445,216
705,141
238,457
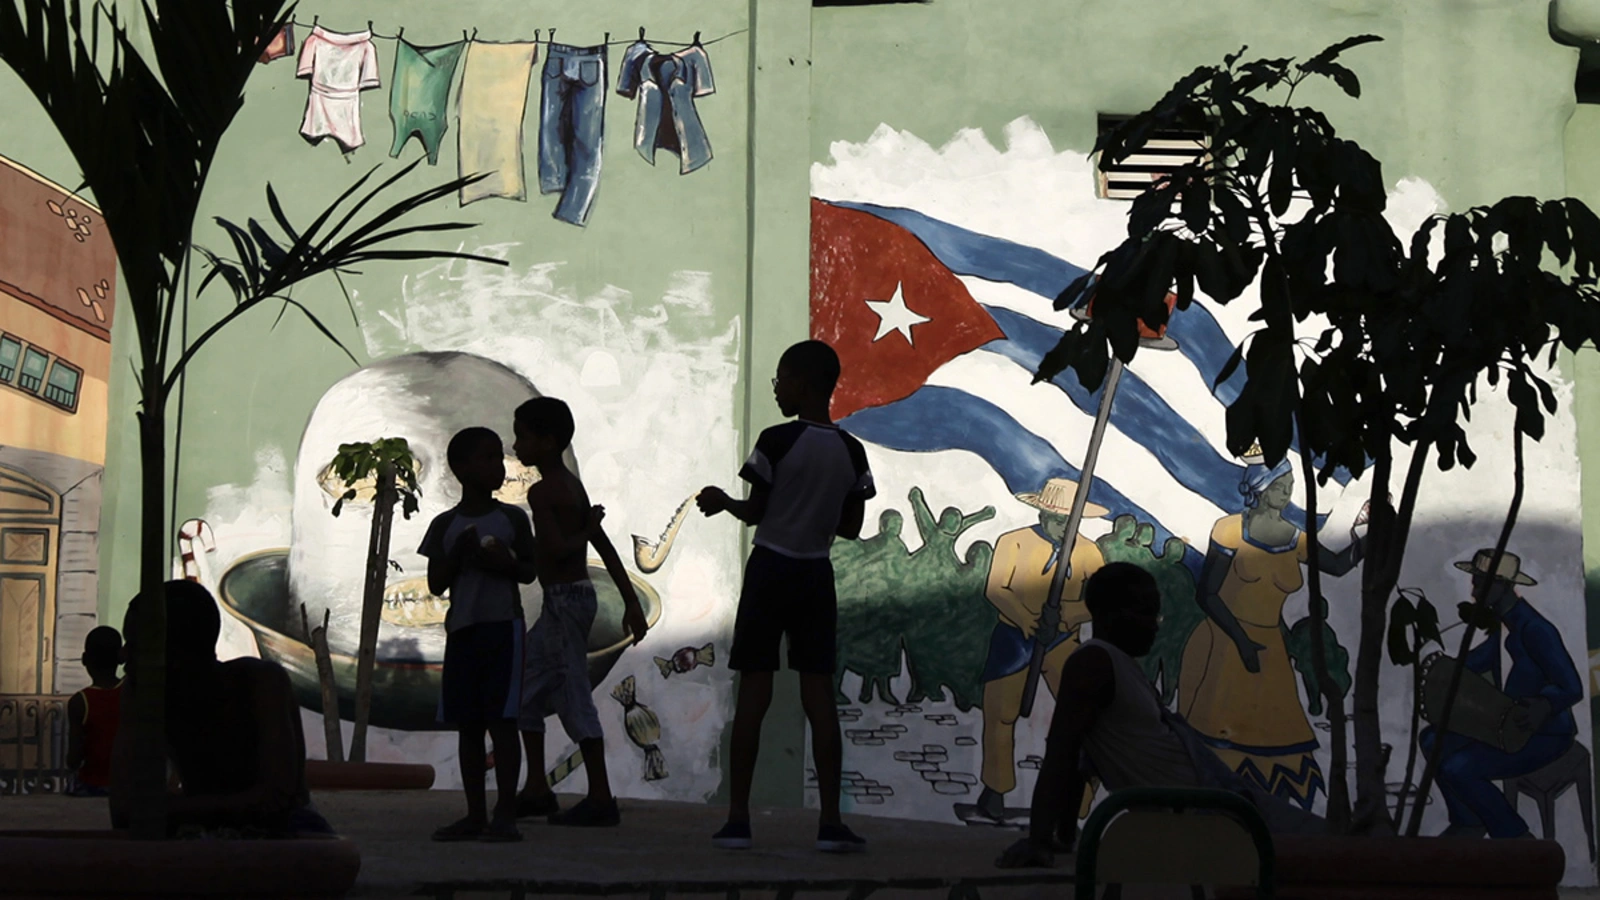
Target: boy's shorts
x,y
482,673
555,676
785,596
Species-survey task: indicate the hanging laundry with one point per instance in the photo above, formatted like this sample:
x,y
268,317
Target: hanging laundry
x,y
281,45
340,67
419,94
666,85
572,118
494,97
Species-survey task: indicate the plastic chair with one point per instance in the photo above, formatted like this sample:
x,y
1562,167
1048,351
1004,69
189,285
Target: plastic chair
x,y
1193,836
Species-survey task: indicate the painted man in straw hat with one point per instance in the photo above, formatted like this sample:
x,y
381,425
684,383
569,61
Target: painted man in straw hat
x,y
1019,586
1544,684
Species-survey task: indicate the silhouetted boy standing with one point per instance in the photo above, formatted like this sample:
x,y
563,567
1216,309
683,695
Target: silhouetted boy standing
x,y
556,678
809,482
481,551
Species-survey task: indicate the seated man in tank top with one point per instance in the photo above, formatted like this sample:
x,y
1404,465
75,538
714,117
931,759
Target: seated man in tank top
x,y
233,732
1109,719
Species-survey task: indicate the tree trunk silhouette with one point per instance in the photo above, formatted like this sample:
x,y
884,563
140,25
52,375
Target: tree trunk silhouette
x,y
1338,782
318,639
147,792
1371,812
383,501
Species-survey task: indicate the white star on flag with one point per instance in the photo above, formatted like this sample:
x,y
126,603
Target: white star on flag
x,y
894,315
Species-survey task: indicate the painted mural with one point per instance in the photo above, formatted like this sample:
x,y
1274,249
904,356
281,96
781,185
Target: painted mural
x,y
651,428
933,274
58,272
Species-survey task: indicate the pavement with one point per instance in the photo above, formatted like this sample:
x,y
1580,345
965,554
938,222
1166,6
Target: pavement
x,y
659,846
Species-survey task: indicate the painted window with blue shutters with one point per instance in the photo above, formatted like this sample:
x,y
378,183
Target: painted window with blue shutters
x,y
10,354
61,388
31,375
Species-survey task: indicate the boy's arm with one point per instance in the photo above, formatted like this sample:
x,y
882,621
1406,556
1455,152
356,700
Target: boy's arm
x,y
851,518
751,510
633,614
77,710
444,563
1087,688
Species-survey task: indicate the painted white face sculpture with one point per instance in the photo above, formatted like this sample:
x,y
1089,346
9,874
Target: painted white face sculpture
x,y
425,398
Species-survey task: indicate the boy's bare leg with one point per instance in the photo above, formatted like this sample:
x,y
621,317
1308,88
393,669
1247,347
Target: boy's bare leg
x,y
594,762
533,745
827,748
755,696
474,765
507,766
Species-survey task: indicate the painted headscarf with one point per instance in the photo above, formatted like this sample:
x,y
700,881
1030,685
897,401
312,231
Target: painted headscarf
x,y
1258,477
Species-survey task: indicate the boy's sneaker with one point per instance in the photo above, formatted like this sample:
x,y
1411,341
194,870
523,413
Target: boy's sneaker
x,y
543,806
461,830
839,839
590,813
501,831
733,836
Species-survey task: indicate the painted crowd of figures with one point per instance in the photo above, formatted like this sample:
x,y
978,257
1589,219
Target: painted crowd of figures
x,y
1225,658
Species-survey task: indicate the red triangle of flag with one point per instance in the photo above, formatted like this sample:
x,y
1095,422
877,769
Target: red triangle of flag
x,y
886,304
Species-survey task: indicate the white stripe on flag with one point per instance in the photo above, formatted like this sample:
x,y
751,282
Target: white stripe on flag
x,y
1166,371
1051,415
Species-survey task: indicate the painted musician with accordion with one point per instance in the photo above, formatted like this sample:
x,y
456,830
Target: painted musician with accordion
x,y
1508,723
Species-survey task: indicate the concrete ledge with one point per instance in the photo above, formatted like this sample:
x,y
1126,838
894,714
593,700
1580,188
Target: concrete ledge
x,y
322,775
91,865
1396,868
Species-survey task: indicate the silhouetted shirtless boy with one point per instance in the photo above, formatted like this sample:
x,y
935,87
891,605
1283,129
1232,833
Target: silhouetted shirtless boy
x,y
556,673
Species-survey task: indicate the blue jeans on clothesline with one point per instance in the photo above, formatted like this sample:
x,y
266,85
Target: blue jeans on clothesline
x,y
572,115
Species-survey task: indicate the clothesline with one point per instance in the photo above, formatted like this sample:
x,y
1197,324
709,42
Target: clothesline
x,y
400,35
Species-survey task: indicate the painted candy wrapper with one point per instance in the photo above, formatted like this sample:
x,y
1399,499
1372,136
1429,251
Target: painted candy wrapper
x,y
643,728
686,659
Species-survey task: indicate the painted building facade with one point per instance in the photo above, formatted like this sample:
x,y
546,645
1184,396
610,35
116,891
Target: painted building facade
x,y
912,182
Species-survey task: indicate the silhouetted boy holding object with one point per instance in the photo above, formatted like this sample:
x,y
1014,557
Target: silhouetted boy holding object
x,y
481,551
232,731
556,671
809,482
94,713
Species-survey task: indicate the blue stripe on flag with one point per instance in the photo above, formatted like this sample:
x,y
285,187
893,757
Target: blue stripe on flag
x,y
1200,339
939,418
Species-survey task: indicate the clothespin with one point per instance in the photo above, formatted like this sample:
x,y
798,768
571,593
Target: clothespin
x,y
641,32
536,33
369,26
552,36
401,33
697,38
607,41
474,33
315,20
464,37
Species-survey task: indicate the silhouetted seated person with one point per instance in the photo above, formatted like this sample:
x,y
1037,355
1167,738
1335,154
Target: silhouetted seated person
x,y
1109,720
233,732
93,715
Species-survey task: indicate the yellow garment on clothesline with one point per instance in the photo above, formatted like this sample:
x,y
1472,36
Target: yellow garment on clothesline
x,y
494,98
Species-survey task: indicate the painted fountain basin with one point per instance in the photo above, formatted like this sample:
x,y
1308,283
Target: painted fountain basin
x,y
405,691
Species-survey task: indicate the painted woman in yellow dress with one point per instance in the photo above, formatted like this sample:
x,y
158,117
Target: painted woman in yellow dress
x,y
1237,686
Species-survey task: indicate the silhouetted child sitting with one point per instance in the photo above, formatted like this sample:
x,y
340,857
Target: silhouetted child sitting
x,y
232,731
809,482
557,669
93,715
481,552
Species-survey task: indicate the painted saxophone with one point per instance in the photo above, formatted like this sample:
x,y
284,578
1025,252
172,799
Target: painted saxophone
x,y
649,555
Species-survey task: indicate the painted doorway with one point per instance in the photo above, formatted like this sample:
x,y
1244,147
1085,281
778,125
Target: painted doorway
x,y
30,532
